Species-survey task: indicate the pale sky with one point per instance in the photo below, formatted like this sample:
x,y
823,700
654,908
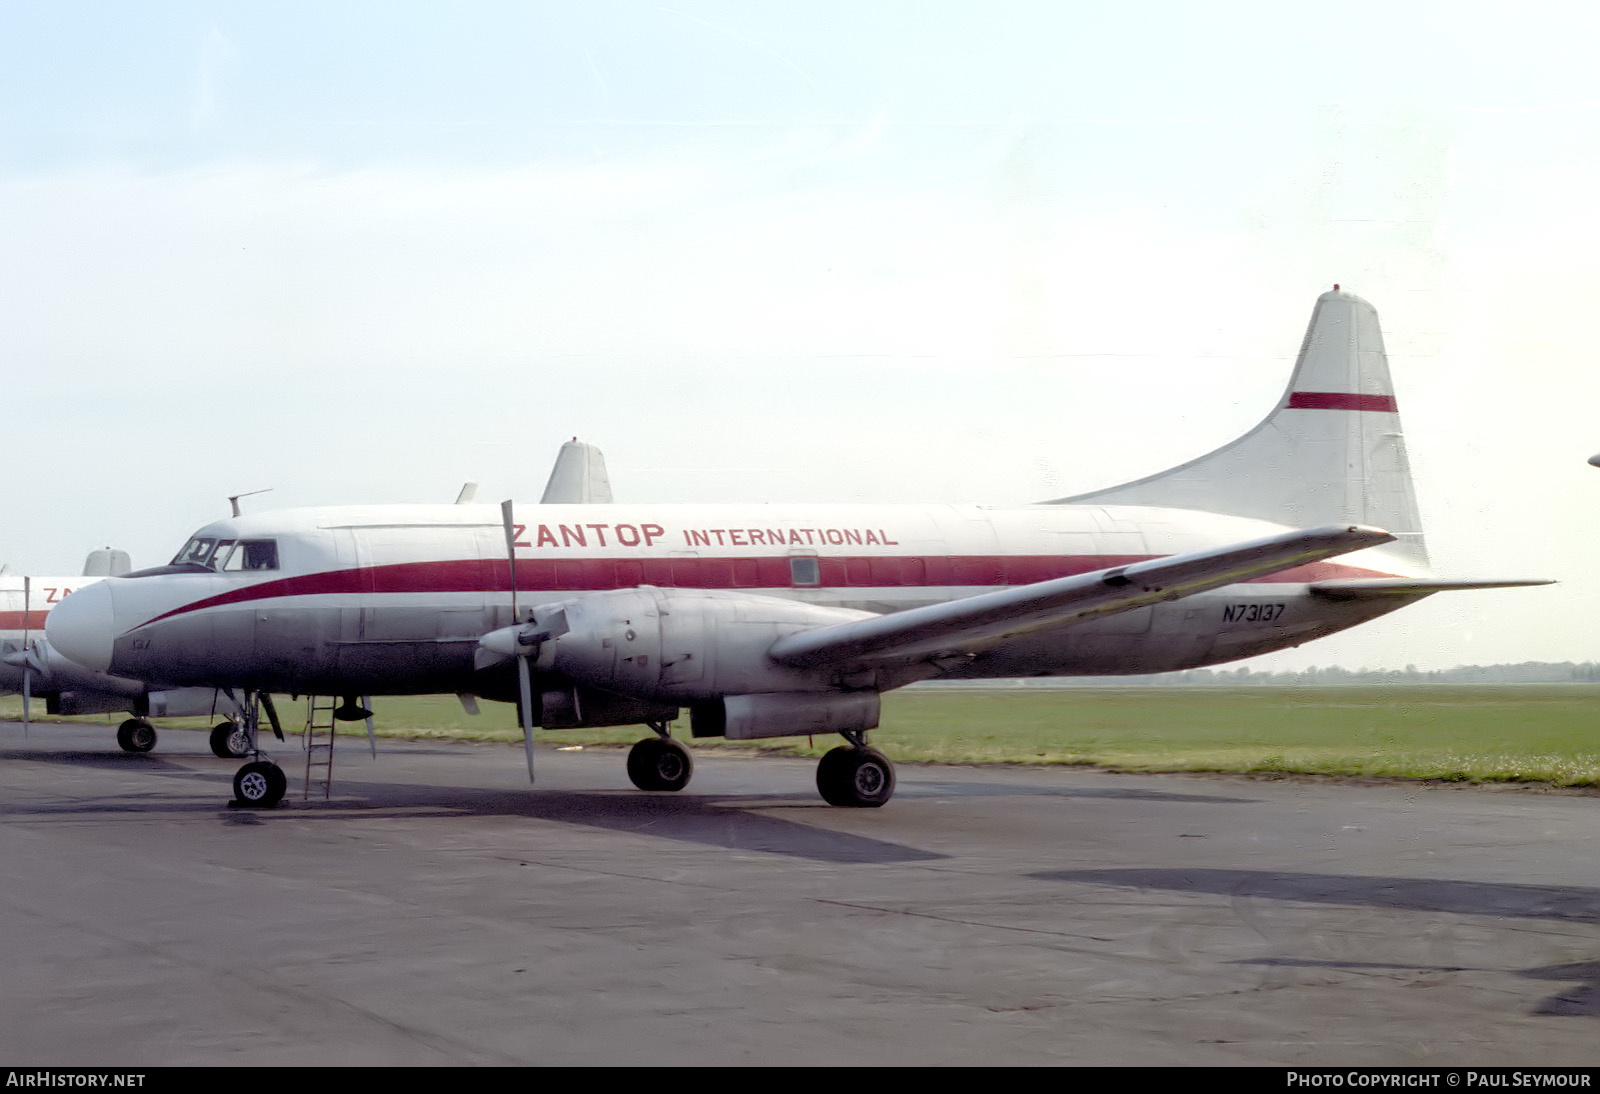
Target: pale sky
x,y
985,252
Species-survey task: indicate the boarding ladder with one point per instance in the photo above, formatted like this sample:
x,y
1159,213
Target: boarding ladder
x,y
319,745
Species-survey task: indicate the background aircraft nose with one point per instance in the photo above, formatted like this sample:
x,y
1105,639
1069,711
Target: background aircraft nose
x,y
80,627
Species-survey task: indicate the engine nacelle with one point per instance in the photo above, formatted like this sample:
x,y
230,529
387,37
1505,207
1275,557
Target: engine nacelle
x,y
747,717
84,702
681,645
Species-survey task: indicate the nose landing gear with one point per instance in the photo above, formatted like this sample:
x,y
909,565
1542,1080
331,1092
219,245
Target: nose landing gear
x,y
259,784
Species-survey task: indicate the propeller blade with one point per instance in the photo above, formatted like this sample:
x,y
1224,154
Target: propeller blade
x,y
27,667
523,673
372,740
511,553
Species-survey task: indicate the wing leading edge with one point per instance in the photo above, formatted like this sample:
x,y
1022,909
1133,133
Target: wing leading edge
x,y
969,625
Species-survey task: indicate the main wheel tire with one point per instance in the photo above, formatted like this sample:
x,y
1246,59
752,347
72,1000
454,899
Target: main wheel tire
x,y
657,763
136,735
259,784
230,741
861,778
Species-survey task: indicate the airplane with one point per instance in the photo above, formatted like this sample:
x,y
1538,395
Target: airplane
x,y
31,668
788,620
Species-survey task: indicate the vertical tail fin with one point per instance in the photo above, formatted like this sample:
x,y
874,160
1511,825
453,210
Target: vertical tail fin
x,y
579,477
1330,452
107,562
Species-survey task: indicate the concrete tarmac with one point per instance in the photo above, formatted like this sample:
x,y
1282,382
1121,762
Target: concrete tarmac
x,y
438,910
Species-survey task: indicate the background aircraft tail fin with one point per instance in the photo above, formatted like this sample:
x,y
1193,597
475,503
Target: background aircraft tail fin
x,y
107,562
579,477
1331,452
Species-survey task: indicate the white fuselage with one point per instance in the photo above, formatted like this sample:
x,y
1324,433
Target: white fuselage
x,y
25,604
393,599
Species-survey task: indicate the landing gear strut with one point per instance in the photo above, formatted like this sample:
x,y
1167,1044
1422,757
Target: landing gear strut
x,y
659,762
230,740
854,775
259,784
136,735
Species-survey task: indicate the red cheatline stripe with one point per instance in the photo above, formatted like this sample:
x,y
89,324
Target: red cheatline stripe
x,y
1340,400
536,575
16,621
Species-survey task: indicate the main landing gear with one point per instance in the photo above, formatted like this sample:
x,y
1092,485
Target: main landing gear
x,y
659,762
136,735
854,775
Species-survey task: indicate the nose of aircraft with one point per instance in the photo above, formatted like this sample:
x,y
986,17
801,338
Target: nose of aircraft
x,y
80,627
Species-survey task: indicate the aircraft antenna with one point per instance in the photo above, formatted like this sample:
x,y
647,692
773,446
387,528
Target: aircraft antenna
x,y
233,499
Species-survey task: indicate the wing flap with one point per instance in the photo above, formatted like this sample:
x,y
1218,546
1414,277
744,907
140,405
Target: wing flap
x,y
974,622
1367,588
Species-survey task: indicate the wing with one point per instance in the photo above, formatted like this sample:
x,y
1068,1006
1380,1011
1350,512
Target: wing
x,y
962,627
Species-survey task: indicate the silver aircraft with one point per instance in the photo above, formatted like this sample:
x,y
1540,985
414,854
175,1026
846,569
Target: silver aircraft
x,y
785,620
29,667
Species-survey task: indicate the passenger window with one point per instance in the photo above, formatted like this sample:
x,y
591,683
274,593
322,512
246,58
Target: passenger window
x,y
803,571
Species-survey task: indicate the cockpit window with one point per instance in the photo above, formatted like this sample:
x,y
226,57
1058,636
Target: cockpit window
x,y
229,555
258,554
197,552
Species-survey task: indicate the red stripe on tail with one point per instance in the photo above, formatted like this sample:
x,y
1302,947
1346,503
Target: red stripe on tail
x,y
1338,400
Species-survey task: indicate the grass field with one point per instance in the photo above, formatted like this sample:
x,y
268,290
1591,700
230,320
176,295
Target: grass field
x,y
1470,733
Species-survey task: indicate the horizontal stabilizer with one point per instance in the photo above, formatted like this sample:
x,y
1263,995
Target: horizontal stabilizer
x,y
1364,588
966,626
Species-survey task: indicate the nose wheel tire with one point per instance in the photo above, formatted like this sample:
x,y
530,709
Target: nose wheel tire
x,y
230,741
862,778
259,784
136,735
658,763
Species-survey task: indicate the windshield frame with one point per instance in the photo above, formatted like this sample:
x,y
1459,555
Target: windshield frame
x,y
226,554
